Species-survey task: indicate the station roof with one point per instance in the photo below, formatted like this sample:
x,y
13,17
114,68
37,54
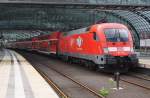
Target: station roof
x,y
115,2
21,19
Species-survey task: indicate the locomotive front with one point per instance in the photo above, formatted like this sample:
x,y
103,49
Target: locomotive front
x,y
117,47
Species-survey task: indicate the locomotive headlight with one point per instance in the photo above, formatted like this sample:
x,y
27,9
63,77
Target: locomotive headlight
x,y
105,50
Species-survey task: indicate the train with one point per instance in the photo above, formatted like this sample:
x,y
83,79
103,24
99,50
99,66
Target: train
x,y
105,46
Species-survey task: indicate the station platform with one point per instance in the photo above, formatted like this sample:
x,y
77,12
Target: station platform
x,y
145,62
18,78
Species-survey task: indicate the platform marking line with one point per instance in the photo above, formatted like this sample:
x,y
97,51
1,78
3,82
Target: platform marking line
x,y
11,81
37,81
27,87
19,90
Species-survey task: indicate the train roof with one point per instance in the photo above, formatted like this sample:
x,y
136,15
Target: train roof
x,y
102,25
110,25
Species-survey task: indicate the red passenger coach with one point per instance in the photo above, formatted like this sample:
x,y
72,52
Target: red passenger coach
x,y
106,45
35,44
45,43
26,44
48,43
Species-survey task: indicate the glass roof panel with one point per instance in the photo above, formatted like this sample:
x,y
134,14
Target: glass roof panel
x,y
138,22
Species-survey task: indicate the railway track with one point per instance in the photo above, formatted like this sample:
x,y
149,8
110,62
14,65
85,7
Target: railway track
x,y
139,80
51,66
79,83
47,77
50,82
142,76
58,89
95,93
73,80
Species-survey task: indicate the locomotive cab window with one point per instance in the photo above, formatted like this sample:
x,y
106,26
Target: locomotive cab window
x,y
116,35
95,37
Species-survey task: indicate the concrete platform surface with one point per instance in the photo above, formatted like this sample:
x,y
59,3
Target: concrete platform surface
x,y
18,79
145,62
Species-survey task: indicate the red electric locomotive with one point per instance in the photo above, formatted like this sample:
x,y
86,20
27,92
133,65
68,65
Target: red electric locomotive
x,y
105,46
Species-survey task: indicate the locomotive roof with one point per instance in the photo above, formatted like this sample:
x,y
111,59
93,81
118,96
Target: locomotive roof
x,y
85,29
110,25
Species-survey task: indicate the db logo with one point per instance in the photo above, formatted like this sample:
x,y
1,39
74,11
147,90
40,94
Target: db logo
x,y
79,41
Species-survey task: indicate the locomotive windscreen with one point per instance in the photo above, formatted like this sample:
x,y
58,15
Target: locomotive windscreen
x,y
116,35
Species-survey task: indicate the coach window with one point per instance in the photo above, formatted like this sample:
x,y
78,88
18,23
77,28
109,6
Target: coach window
x,y
65,34
95,37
